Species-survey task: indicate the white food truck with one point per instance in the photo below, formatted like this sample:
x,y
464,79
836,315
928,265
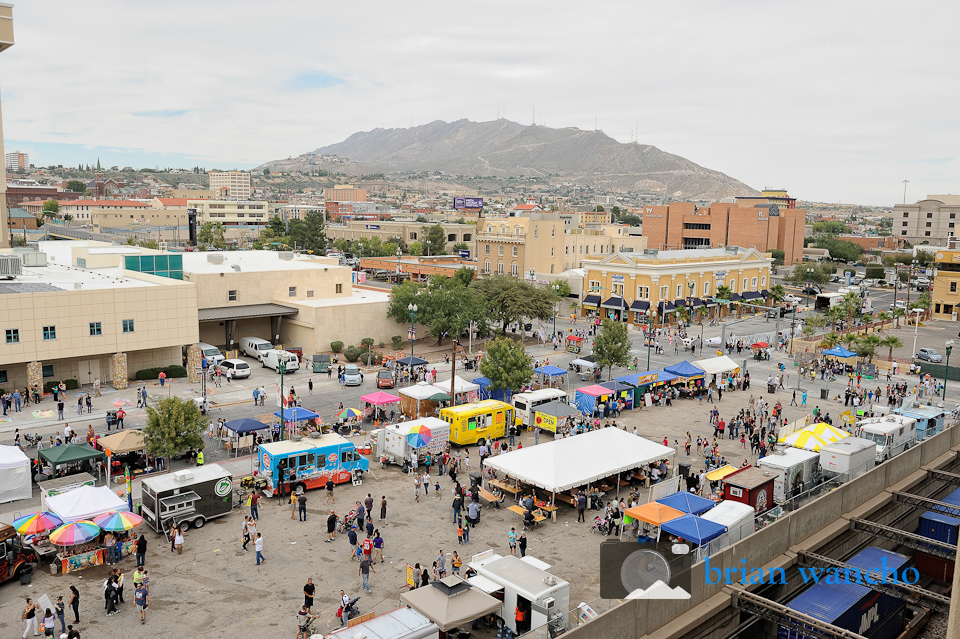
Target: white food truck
x,y
795,470
524,583
391,444
526,403
892,434
848,458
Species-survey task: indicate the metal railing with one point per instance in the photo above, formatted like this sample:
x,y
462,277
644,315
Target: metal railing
x,y
571,620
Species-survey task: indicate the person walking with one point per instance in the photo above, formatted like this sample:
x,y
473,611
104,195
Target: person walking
x,y
310,386
522,544
178,540
581,507
258,546
30,617
59,610
329,487
364,572
416,487
331,526
141,550
383,509
377,546
75,603
142,599
302,507
254,500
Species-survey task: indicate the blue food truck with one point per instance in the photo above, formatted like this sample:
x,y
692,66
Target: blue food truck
x,y
309,462
930,419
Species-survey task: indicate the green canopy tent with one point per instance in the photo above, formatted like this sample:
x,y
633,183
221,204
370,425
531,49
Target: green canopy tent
x,y
69,454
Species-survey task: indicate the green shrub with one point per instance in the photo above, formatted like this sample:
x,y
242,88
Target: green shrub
x,y
71,384
336,347
382,344
153,373
397,342
367,343
352,353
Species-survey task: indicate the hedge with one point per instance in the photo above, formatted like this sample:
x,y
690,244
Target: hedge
x,y
397,342
154,373
71,384
336,347
352,353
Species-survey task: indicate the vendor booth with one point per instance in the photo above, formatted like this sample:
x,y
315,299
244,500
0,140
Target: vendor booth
x,y
464,392
693,529
646,384
814,436
752,486
574,344
292,418
620,390
121,449
450,602
650,514
242,433
555,416
415,400
589,398
376,404
838,352
75,457
411,362
688,503
551,376
85,502
737,517
14,475
486,392
689,376
721,368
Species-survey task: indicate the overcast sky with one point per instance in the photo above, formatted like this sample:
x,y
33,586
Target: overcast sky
x,y
835,101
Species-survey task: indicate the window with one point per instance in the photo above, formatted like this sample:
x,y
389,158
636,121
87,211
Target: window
x,y
753,283
903,232
292,291
128,326
81,262
486,267
733,286
594,285
663,293
905,223
451,237
553,232
906,215
926,233
744,285
47,370
763,280
706,289
339,289
516,251
551,251
13,336
486,249
516,230
566,250
679,292
500,250
309,293
514,270
928,225
467,237
551,269
3,376
503,230
643,292
49,332
232,296
536,232
95,329
953,287
617,289
929,216
500,268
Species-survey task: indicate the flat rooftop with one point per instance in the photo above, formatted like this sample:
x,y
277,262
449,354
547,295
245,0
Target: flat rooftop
x,y
253,262
360,296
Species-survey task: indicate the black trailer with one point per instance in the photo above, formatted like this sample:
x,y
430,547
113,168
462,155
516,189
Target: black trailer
x,y
187,497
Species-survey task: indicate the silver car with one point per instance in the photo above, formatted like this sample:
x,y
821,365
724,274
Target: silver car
x,y
929,354
352,375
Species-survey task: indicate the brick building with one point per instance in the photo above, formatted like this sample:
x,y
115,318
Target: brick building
x,y
886,243
17,195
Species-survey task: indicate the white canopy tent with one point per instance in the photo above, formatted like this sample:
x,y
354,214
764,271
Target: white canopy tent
x,y
576,461
421,390
14,474
460,386
717,365
85,502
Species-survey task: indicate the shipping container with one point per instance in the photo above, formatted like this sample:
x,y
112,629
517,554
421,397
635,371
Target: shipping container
x,y
938,526
852,606
953,498
934,567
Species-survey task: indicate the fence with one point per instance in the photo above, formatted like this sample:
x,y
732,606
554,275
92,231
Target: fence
x,y
571,619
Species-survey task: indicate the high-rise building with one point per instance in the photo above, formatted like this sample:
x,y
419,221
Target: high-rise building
x,y
6,41
16,160
929,221
230,185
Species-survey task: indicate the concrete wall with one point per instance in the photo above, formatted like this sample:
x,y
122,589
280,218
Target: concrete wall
x,y
816,522
86,369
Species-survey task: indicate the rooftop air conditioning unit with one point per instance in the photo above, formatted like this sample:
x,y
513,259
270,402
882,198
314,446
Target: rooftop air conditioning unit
x,y
286,255
215,258
183,475
10,266
34,258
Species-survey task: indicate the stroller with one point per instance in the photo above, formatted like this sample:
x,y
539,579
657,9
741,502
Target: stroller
x,y
600,525
347,521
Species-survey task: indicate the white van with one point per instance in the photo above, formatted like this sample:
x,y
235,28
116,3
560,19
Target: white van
x,y
212,353
254,346
526,403
892,434
272,359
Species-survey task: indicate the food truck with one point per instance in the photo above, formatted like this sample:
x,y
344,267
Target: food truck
x,y
14,557
848,458
892,434
795,470
186,497
308,463
930,419
525,404
523,583
391,444
471,422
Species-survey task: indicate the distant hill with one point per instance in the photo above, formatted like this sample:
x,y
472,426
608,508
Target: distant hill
x,y
506,149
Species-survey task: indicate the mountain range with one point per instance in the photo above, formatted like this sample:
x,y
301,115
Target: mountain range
x,y
505,149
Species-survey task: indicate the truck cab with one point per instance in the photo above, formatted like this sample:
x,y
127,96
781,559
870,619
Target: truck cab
x,y
893,434
14,557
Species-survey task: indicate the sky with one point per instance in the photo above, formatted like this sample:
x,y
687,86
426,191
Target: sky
x,y
835,101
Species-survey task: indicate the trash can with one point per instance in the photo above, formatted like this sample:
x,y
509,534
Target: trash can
x,y
771,387
476,479
824,393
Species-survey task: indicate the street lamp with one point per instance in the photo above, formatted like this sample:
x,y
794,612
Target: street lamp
x,y
399,255
809,272
282,369
428,248
916,327
946,367
412,309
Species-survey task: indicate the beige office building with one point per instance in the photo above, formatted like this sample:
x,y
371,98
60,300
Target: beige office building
x,y
929,221
231,212
230,185
75,313
344,193
410,231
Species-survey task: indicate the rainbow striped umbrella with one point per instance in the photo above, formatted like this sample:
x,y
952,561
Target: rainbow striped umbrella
x,y
118,521
36,523
75,532
347,413
419,436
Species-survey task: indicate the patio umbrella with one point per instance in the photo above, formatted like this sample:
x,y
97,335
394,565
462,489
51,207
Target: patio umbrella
x,y
118,521
74,533
439,397
347,413
36,523
419,436
760,345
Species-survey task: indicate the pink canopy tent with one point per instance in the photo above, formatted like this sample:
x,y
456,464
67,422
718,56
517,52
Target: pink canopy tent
x,y
379,398
594,391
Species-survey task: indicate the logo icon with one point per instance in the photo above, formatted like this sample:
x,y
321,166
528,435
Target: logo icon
x,y
222,488
645,570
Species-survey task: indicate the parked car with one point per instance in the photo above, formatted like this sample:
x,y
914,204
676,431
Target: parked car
x,y
777,311
929,354
352,375
836,279
793,299
384,379
812,290
272,359
239,367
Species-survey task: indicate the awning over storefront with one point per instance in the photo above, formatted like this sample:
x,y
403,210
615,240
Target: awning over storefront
x,y
225,313
591,300
765,293
665,307
752,295
734,297
693,302
640,306
615,303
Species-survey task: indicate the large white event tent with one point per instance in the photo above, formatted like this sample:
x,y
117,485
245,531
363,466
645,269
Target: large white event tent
x,y
579,460
14,475
85,502
717,365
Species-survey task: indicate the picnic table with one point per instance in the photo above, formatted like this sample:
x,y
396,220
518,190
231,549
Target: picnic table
x,y
490,497
566,498
537,517
502,485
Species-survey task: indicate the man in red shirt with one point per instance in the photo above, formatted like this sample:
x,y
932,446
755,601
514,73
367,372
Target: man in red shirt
x,y
367,547
120,415
720,426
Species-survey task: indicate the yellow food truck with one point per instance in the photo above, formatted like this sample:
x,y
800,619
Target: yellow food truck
x,y
471,422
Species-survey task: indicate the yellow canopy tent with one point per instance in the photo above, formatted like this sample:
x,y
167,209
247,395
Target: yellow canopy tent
x,y
720,473
814,436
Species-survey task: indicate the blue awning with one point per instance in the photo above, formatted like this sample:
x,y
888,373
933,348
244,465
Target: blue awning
x,y
685,369
765,292
550,371
839,351
694,529
591,300
665,307
752,295
615,303
687,503
735,297
297,414
640,306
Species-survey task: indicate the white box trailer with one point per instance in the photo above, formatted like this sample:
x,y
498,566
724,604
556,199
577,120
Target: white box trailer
x,y
525,404
392,446
848,458
736,516
526,584
795,470
402,623
892,434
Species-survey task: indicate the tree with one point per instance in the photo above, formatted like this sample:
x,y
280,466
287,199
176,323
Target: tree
x,y
835,313
777,293
415,248
173,426
830,340
211,234
266,172
723,292
849,341
509,300
874,272
630,219
611,347
506,364
445,306
924,257
561,288
891,342
814,272
464,276
852,304
437,238
830,228
461,246
76,185
615,211
840,249
51,207
866,346
600,208
897,314
778,256
308,233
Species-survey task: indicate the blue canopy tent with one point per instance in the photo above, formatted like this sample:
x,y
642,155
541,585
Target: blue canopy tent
x,y
694,529
839,351
297,414
648,378
688,503
685,369
551,371
491,393
621,391
245,425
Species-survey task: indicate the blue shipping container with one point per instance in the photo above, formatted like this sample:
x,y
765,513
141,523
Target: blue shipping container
x,y
854,607
938,526
953,498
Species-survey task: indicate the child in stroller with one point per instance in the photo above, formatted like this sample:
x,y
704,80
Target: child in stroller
x,y
600,525
347,521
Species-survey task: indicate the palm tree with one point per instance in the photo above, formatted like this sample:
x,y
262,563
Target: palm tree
x,y
881,317
777,293
682,313
867,347
808,331
851,303
830,340
835,314
897,314
849,341
723,293
891,342
574,307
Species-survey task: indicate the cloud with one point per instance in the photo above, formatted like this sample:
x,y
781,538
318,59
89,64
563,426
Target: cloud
x,y
844,113
659,590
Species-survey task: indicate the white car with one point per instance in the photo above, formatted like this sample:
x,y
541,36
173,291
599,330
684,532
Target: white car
x,y
239,367
793,299
352,375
